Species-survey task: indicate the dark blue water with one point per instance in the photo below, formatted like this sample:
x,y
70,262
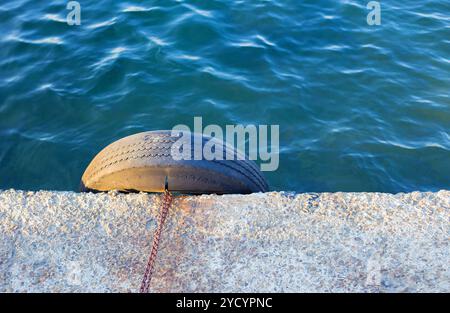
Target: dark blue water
x,y
360,108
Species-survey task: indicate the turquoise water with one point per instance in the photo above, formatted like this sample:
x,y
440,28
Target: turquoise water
x,y
360,108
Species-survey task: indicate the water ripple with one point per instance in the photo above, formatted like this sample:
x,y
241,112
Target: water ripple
x,y
103,24
358,106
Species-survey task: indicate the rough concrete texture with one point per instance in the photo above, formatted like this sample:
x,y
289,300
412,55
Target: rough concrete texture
x,y
274,242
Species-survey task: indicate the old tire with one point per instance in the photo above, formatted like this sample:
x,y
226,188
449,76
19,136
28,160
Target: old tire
x,y
143,162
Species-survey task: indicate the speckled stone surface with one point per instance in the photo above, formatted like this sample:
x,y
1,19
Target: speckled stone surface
x,y
274,242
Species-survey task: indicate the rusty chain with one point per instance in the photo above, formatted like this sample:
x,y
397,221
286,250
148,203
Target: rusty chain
x,y
167,201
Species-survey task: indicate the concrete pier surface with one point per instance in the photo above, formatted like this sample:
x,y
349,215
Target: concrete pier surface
x,y
273,242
